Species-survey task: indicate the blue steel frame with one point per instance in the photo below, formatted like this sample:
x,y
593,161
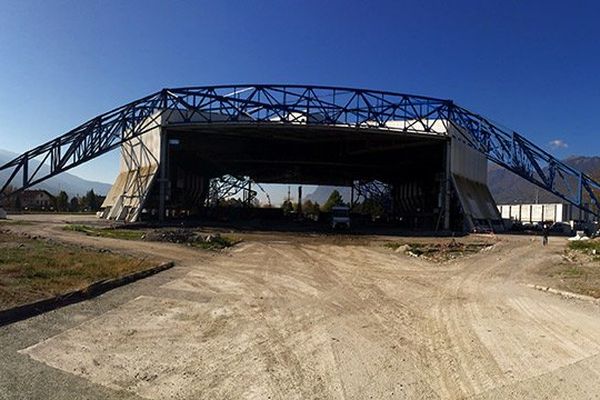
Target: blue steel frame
x,y
304,106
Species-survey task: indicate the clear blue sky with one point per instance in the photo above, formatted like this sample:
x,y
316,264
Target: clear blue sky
x,y
532,65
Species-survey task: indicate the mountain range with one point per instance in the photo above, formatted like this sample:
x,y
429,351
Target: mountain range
x,y
70,183
507,187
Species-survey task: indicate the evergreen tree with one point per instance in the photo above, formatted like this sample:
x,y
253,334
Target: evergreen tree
x,y
74,204
310,209
62,201
90,201
335,199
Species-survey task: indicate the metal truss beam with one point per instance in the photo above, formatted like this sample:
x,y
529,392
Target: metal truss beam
x,y
303,106
373,190
229,186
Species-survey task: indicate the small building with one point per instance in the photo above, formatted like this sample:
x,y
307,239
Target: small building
x,y
536,213
36,200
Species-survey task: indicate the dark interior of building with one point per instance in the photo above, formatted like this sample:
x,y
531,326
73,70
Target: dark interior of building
x,y
413,165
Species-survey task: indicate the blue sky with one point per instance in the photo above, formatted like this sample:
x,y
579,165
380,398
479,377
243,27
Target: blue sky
x,y
532,65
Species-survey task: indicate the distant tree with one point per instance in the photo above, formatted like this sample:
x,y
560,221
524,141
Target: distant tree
x,y
310,209
335,199
62,201
74,204
307,206
371,207
288,207
90,201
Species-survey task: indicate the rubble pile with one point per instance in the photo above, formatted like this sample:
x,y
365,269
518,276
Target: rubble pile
x,y
440,252
172,236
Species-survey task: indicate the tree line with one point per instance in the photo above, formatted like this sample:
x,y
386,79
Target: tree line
x,y
62,202
312,209
89,202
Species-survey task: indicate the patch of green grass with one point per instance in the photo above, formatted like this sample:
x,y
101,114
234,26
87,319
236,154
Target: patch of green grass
x,y
589,247
33,269
217,243
584,244
114,233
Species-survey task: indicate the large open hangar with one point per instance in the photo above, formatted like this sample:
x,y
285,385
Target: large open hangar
x,y
183,149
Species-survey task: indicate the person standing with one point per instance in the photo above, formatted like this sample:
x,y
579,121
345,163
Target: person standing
x,y
545,233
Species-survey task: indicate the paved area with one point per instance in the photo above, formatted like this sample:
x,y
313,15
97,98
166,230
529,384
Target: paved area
x,y
290,317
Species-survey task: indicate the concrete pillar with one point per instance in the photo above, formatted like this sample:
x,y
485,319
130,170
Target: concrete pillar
x,y
162,179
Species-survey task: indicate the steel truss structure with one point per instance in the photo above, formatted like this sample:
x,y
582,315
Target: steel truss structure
x,y
305,106
229,186
377,191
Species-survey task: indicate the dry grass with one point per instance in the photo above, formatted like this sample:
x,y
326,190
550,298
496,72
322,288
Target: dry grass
x,y
581,279
14,222
124,234
580,270
166,235
33,269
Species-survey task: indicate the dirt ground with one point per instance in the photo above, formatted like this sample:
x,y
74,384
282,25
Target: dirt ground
x,y
291,316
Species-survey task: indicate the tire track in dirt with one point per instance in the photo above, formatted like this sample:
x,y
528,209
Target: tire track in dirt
x,y
301,319
453,346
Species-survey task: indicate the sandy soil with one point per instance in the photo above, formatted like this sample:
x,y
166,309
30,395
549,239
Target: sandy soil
x,y
294,318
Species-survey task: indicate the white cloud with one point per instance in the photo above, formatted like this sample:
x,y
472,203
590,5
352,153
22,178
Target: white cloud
x,y
558,144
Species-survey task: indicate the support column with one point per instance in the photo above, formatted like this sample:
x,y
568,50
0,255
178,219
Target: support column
x,y
447,187
162,180
25,173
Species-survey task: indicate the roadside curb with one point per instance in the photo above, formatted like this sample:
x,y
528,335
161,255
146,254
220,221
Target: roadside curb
x,y
564,293
29,310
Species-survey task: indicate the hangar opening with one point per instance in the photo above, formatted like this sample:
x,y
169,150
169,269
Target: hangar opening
x,y
429,181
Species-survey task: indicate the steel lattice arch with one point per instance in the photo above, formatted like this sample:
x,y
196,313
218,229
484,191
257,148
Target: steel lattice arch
x,y
288,112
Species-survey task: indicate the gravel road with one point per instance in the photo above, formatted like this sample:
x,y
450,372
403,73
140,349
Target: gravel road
x,y
286,317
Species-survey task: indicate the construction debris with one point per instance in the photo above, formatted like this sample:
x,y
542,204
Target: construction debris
x,y
191,238
440,252
172,236
579,236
